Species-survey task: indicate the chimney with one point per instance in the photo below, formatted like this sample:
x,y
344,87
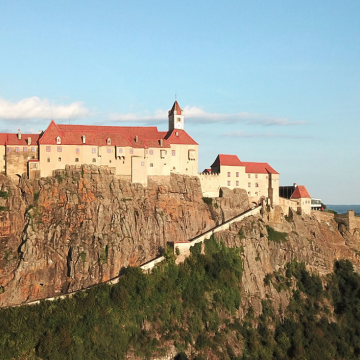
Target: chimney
x,y
84,139
29,140
176,133
19,134
295,185
161,142
136,138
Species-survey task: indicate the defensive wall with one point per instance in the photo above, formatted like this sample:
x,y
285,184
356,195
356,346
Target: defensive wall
x,y
210,184
351,221
287,204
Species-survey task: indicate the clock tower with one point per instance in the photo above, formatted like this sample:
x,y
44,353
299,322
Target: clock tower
x,y
176,117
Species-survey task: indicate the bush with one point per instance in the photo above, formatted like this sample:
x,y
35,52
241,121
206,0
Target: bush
x,y
276,236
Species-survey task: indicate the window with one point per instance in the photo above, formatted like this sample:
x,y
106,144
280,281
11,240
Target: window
x,y
76,159
109,150
256,184
131,151
58,140
228,174
33,149
173,152
93,150
237,174
249,184
48,148
237,183
93,160
163,154
24,149
48,159
151,165
228,183
120,151
59,148
109,161
17,149
59,159
77,150
143,163
249,176
9,149
191,154
151,152
33,166
108,141
256,176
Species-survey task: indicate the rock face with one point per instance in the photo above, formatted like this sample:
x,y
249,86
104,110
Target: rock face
x,y
84,224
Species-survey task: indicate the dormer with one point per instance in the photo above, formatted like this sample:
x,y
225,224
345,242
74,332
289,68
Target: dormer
x,y
108,141
58,140
19,134
83,139
176,117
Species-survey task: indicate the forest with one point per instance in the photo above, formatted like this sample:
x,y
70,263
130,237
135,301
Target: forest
x,y
193,306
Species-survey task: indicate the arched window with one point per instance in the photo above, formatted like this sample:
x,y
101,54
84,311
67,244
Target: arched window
x,y
108,141
58,140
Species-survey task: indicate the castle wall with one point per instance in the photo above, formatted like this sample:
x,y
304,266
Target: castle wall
x,y
351,221
158,161
17,158
210,184
180,161
287,204
2,159
139,170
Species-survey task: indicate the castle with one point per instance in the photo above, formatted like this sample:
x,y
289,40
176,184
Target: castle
x,y
136,153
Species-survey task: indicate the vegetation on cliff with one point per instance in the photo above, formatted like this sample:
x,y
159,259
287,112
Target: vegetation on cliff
x,y
193,306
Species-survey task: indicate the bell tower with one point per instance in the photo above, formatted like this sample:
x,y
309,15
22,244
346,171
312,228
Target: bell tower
x,y
176,117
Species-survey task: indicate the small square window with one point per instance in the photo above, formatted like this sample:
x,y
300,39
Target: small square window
x,y
94,160
93,150
59,159
151,152
228,174
173,153
143,163
48,159
109,150
77,150
76,159
59,148
249,184
48,148
228,183
151,165
131,151
17,149
120,151
256,184
33,149
9,149
237,183
24,149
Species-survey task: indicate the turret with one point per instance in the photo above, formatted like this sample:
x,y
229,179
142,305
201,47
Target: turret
x,y
176,117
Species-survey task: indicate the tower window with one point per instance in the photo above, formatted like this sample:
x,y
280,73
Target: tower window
x,y
228,183
76,159
173,153
94,160
59,159
48,159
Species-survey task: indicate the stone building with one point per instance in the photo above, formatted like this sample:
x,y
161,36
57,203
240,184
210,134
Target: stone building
x,y
259,179
295,197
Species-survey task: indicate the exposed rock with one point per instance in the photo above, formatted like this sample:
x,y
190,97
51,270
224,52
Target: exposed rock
x,y
84,224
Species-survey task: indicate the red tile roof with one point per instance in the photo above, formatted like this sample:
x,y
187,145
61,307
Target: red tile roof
x,y
226,160
12,139
147,136
300,192
180,137
258,168
175,107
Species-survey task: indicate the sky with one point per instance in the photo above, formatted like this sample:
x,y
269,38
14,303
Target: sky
x,y
270,81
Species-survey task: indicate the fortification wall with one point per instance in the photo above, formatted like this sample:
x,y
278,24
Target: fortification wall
x,y
322,216
351,221
287,204
210,184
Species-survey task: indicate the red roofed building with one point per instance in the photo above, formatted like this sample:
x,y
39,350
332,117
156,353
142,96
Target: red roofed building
x,y
295,197
135,152
259,179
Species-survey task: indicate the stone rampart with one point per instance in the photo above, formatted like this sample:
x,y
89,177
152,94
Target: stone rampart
x,y
349,219
210,184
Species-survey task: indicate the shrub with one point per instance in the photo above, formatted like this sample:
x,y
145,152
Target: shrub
x,y
276,236
207,200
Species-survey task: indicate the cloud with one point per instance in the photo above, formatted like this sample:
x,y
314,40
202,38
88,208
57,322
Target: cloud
x,y
244,134
198,115
34,108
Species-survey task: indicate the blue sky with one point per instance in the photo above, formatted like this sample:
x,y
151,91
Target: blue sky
x,y
270,81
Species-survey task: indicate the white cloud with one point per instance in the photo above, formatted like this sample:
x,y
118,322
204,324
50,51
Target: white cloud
x,y
198,115
36,108
244,134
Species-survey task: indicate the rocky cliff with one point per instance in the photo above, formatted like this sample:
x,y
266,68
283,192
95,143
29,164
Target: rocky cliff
x,y
84,224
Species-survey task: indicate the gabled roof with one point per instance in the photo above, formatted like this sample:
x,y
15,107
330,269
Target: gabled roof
x,y
180,137
12,139
300,192
175,107
258,168
226,160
